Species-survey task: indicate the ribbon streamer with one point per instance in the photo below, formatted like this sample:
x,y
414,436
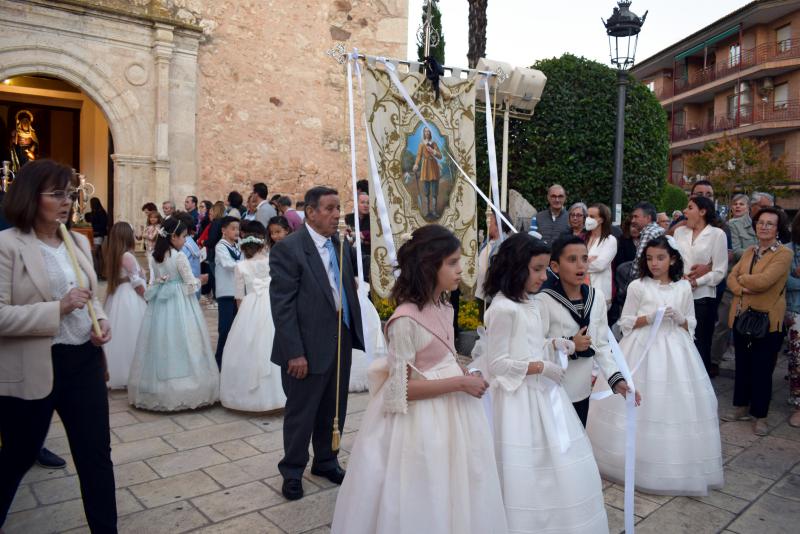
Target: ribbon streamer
x,y
492,152
377,188
630,432
556,400
390,68
356,222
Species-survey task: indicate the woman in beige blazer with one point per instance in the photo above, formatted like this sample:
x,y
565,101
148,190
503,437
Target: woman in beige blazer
x,y
50,359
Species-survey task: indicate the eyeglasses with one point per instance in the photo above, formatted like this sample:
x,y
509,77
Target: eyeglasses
x,y
766,225
577,215
62,194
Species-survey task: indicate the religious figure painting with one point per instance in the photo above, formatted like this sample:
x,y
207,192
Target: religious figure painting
x,y
426,170
24,143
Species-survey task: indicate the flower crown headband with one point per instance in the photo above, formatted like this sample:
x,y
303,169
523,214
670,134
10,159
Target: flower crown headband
x,y
251,239
163,233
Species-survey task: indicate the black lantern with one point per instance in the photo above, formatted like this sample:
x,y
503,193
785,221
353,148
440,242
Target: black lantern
x,y
623,27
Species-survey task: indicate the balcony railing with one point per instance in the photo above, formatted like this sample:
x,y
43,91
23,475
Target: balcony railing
x,y
748,114
763,53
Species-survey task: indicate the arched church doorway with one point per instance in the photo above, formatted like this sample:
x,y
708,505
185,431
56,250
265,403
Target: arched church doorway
x,y
46,117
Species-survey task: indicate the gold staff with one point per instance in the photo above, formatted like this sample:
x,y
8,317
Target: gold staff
x,y
67,239
337,436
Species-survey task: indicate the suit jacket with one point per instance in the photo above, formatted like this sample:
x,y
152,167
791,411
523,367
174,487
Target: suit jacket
x,y
29,317
303,310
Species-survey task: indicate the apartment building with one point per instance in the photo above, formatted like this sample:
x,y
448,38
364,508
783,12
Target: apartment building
x,y
739,76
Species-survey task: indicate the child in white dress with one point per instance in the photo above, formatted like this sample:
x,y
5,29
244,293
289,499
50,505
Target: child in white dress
x,y
549,477
125,304
678,449
249,381
423,461
174,367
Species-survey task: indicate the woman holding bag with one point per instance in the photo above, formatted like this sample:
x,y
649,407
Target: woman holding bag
x,y
758,285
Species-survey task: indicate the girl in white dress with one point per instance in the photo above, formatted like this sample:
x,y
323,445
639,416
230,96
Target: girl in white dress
x,y
174,367
423,460
125,304
678,450
549,477
249,381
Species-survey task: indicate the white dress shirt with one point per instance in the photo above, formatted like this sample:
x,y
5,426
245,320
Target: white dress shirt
x,y
710,246
319,242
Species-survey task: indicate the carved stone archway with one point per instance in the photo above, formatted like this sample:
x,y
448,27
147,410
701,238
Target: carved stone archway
x,y
139,70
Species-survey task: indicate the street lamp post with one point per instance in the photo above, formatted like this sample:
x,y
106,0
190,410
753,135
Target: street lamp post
x,y
622,27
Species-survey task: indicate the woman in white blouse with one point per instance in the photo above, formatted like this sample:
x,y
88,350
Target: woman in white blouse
x,y
704,248
602,249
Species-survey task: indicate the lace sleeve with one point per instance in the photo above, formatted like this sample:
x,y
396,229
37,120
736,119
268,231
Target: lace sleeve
x,y
506,369
630,310
190,284
131,267
238,282
403,346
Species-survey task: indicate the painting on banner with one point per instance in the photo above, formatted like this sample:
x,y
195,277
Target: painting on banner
x,y
420,181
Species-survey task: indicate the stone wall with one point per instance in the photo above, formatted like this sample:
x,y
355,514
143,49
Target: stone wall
x,y
271,103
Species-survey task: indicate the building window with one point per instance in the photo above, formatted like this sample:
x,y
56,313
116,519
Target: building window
x,y
776,150
734,55
736,106
651,85
783,36
781,96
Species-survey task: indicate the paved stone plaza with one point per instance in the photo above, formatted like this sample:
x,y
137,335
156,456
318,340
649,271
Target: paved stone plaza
x,y
214,470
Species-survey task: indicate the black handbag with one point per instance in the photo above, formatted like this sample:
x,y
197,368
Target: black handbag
x,y
750,322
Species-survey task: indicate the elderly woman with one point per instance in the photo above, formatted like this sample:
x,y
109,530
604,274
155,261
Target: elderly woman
x,y
757,283
50,358
576,217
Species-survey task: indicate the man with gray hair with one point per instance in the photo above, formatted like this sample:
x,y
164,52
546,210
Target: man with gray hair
x,y
168,208
553,221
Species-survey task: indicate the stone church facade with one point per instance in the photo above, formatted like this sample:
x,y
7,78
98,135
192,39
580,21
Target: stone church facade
x,y
206,96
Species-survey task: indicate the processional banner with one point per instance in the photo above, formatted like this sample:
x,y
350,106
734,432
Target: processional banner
x,y
420,182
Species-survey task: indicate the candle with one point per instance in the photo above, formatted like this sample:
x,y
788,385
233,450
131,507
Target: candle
x,y
67,238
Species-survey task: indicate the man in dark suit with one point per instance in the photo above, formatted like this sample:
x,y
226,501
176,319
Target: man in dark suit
x,y
305,298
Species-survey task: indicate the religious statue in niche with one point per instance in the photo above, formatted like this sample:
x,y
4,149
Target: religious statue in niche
x,y
24,143
425,168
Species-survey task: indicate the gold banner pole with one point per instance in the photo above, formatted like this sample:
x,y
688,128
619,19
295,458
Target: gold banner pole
x,y
67,238
337,436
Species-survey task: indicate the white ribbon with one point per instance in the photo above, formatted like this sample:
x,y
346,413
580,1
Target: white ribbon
x,y
492,150
390,68
377,188
557,402
356,222
630,432
651,338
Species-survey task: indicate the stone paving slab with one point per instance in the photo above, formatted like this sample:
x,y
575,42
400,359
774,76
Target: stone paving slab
x,y
214,470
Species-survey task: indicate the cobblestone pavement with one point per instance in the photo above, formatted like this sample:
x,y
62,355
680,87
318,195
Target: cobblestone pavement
x,y
215,470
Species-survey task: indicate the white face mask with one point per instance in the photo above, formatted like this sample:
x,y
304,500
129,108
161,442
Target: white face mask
x,y
590,224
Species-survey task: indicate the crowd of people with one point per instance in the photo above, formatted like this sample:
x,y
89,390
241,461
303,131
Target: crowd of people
x,y
678,291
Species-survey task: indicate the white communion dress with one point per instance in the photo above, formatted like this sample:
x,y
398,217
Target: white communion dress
x,y
549,476
249,380
678,449
423,466
125,310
